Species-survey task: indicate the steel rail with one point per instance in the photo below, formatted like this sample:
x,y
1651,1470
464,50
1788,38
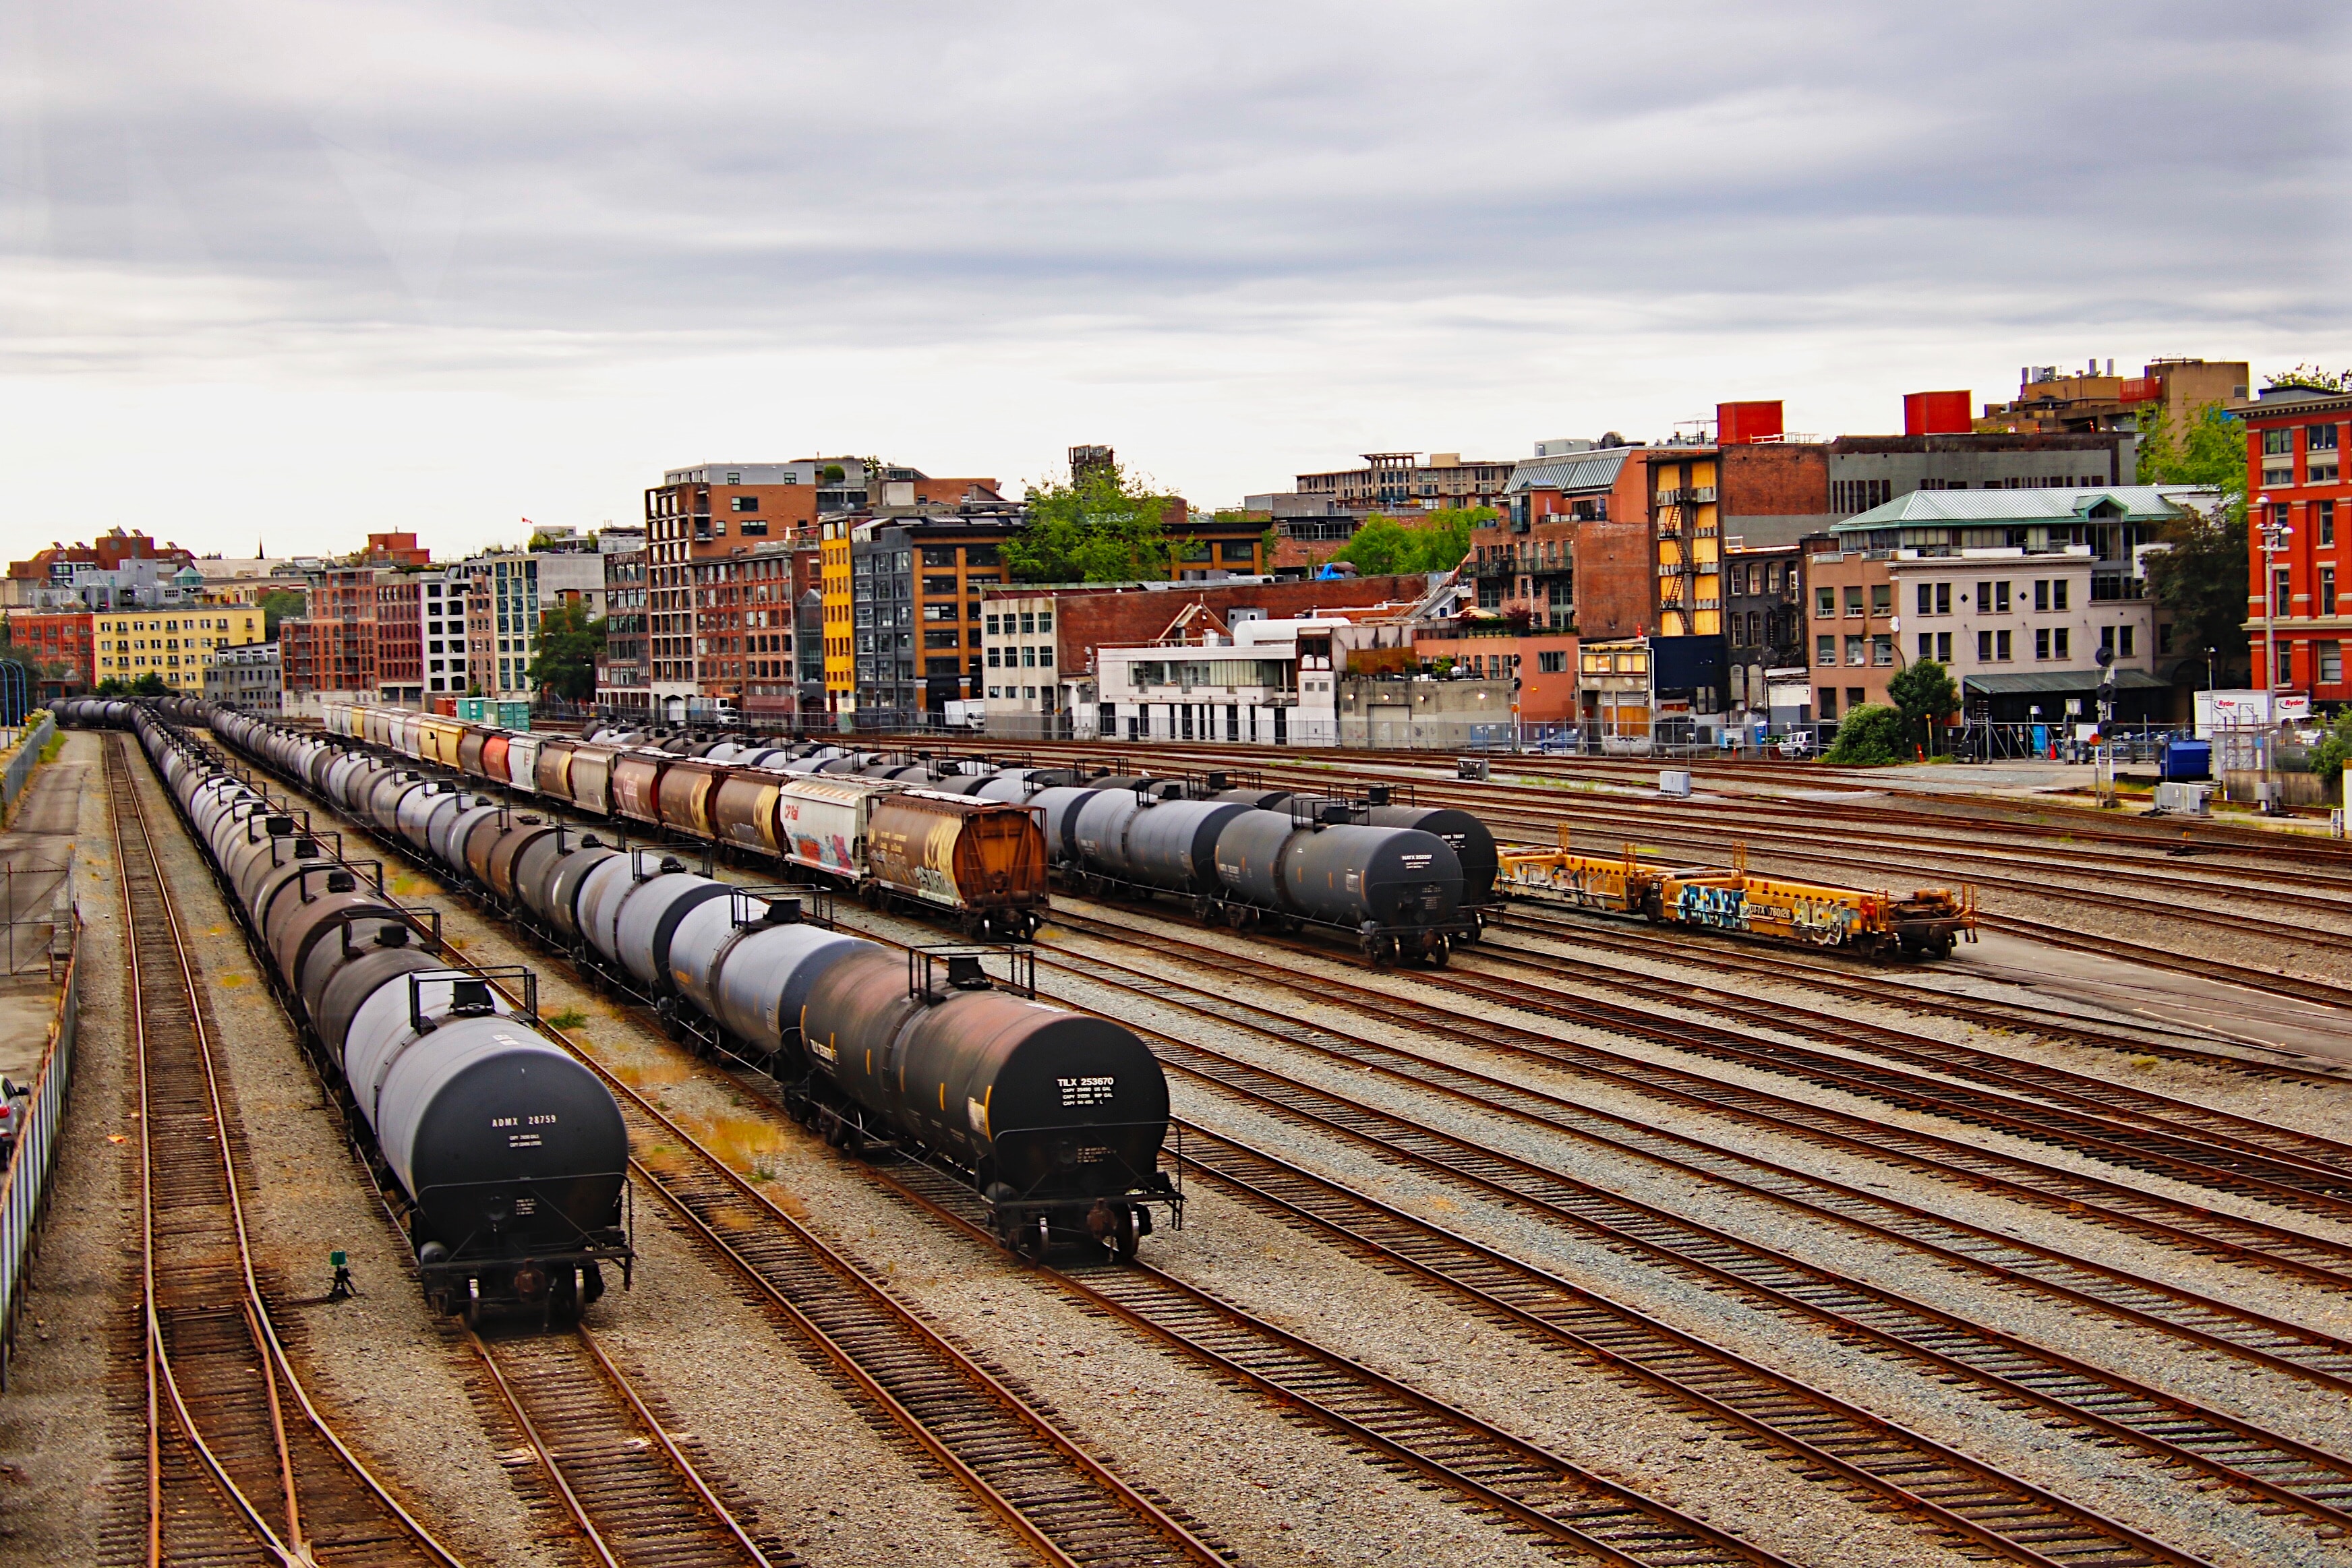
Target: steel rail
x,y
2285,1347
2254,1242
1779,961
1800,844
1941,1059
2012,1370
2280,1180
1974,1498
1179,1539
556,1478
1386,1413
277,1371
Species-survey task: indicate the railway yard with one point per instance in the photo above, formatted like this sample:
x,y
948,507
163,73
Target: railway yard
x,y
1464,1231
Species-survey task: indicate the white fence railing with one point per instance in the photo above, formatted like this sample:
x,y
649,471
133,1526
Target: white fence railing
x,y
39,1116
20,767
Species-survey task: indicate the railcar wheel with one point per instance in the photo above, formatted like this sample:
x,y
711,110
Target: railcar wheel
x,y
1238,916
1126,1240
1034,1241
1433,950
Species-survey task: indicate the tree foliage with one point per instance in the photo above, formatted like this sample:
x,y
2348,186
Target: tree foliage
x,y
2335,748
1101,525
1870,736
150,685
2311,378
1924,694
569,641
2204,576
275,605
1437,542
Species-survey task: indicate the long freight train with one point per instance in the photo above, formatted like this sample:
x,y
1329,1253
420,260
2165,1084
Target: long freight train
x,y
975,843
506,1158
1054,1118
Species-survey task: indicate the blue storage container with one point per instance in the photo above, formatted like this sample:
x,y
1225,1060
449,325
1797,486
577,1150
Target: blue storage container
x,y
2187,760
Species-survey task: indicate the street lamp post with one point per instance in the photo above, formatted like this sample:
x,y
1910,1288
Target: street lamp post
x,y
2274,537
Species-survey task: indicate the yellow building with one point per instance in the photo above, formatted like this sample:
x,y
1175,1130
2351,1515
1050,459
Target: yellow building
x,y
175,643
1689,538
840,640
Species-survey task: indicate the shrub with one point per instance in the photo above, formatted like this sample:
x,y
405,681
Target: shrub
x,y
1871,737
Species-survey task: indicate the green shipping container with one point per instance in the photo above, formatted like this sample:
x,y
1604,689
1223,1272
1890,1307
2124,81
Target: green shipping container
x,y
474,710
514,715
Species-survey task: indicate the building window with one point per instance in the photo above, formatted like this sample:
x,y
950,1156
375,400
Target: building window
x,y
2282,589
2123,643
2041,643
1854,603
1827,703
2327,659
1551,662
1882,649
2327,590
1926,645
2286,664
1855,649
2278,442
2001,652
1881,599
1826,650
1825,603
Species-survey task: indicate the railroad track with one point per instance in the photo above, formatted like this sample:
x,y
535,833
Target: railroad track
x,y
242,1464
2014,1077
1002,1447
1792,839
1879,986
2166,1431
2226,1158
1518,1482
628,1486
2252,1242
1822,1438
1998,1259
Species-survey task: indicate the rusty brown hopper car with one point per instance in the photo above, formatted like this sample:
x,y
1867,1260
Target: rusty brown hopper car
x,y
743,809
553,771
636,785
984,860
592,767
684,796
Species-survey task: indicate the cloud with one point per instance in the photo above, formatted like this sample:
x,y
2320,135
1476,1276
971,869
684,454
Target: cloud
x,y
1256,238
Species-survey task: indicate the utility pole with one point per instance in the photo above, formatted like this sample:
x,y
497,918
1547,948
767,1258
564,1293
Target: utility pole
x,y
2275,536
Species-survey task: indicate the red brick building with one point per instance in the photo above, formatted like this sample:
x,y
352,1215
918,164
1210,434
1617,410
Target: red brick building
x,y
710,511
56,637
334,648
2299,501
399,635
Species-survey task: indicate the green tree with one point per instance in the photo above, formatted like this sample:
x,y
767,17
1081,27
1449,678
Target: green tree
x,y
569,641
1870,736
150,685
1926,696
110,687
1437,542
2203,576
276,606
2334,748
1102,526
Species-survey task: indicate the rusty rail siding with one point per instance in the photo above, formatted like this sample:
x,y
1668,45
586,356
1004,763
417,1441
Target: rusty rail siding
x,y
1003,1447
239,1457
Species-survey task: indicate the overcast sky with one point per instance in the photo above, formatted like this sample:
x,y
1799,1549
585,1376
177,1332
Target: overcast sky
x,y
295,271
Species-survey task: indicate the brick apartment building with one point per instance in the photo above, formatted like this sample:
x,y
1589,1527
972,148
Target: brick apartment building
x,y
112,550
623,673
2299,501
1622,541
710,511
62,638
